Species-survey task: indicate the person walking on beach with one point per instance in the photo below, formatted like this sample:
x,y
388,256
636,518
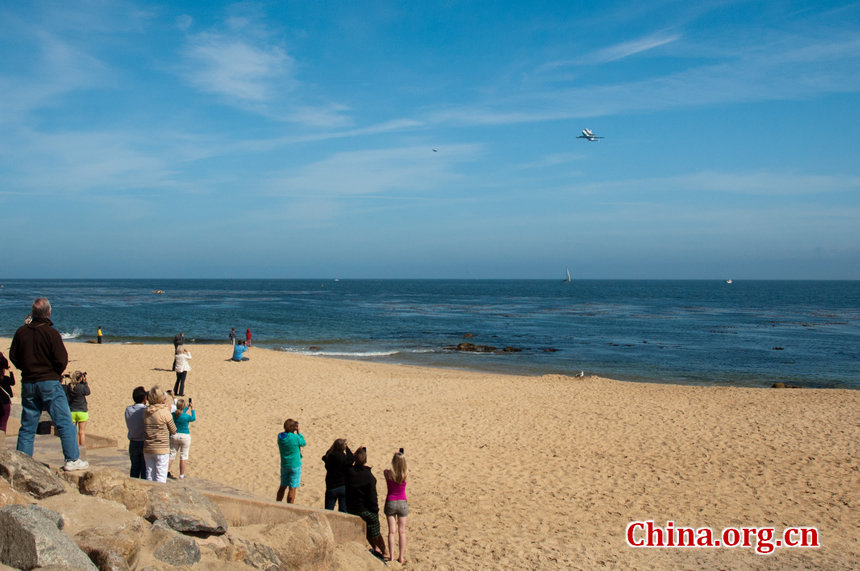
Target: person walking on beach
x,y
361,499
248,338
38,352
233,336
396,507
99,335
181,366
290,443
77,391
180,443
158,427
337,461
7,381
136,433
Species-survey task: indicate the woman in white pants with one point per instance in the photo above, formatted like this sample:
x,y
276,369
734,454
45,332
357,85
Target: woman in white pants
x,y
158,426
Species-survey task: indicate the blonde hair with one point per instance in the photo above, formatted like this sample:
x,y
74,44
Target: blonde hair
x,y
180,349
180,406
76,378
155,395
398,468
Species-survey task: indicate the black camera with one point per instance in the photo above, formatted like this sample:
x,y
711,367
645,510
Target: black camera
x,y
401,450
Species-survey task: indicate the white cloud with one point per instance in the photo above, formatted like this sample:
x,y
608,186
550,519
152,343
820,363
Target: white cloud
x,y
236,68
627,49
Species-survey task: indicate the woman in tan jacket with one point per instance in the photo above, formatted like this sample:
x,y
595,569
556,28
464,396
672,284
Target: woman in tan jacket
x,y
158,426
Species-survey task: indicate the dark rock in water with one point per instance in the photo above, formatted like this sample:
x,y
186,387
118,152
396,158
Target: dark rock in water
x,y
779,349
468,336
314,348
511,350
29,476
550,350
31,538
785,386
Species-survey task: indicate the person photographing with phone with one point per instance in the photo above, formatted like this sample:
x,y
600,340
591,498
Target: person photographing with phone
x,y
290,443
180,443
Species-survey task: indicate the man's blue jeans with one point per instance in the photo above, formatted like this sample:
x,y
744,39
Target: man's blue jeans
x,y
49,396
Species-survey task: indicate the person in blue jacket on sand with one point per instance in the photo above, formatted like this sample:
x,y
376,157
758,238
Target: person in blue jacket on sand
x,y
238,350
290,443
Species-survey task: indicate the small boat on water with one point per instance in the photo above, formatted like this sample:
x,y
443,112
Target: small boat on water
x,y
158,291
730,281
567,279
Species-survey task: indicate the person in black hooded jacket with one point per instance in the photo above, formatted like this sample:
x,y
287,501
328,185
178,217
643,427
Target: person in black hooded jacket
x,y
337,461
361,499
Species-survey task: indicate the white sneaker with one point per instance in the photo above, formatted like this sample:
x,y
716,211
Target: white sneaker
x,y
76,465
182,476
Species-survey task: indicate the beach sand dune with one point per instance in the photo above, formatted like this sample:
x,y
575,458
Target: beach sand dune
x,y
523,472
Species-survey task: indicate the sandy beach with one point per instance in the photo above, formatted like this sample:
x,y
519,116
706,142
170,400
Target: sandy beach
x,y
522,472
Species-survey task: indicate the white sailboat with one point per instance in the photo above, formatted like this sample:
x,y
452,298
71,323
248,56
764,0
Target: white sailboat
x,y
567,279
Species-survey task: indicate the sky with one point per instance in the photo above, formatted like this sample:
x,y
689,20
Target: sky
x,y
390,139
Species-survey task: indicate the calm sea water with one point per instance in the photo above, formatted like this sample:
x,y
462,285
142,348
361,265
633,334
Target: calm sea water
x,y
702,332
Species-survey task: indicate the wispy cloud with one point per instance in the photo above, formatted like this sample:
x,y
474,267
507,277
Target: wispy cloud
x,y
236,68
789,68
627,49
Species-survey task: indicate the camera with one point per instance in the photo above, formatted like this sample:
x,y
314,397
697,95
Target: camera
x,y
401,450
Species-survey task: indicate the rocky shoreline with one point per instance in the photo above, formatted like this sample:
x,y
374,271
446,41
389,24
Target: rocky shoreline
x,y
102,519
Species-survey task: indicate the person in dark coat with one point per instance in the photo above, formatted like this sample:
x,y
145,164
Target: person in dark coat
x,y
337,461
361,499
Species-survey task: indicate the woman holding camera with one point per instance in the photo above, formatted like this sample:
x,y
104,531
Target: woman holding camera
x,y
181,366
77,391
290,443
158,426
180,443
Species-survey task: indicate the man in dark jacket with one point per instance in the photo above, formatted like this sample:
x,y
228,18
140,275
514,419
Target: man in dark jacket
x,y
38,352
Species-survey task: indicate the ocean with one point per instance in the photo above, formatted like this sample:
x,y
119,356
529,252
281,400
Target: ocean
x,y
748,333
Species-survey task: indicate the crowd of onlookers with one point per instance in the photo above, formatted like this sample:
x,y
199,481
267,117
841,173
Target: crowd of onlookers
x,y
158,429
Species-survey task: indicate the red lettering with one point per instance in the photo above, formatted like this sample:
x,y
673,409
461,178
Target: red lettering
x,y
631,539
731,537
706,537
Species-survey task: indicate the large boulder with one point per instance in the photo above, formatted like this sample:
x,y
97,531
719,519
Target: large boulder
x,y
186,510
305,544
173,548
9,495
29,476
30,537
112,484
115,546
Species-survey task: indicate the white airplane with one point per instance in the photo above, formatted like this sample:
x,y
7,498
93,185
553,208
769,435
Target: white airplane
x,y
587,134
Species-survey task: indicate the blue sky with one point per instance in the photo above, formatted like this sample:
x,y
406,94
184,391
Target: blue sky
x,y
295,139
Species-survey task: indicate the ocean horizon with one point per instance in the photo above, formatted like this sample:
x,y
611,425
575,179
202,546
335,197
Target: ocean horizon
x,y
707,332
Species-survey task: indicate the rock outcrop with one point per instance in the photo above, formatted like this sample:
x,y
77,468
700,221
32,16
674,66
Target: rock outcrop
x,y
102,519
